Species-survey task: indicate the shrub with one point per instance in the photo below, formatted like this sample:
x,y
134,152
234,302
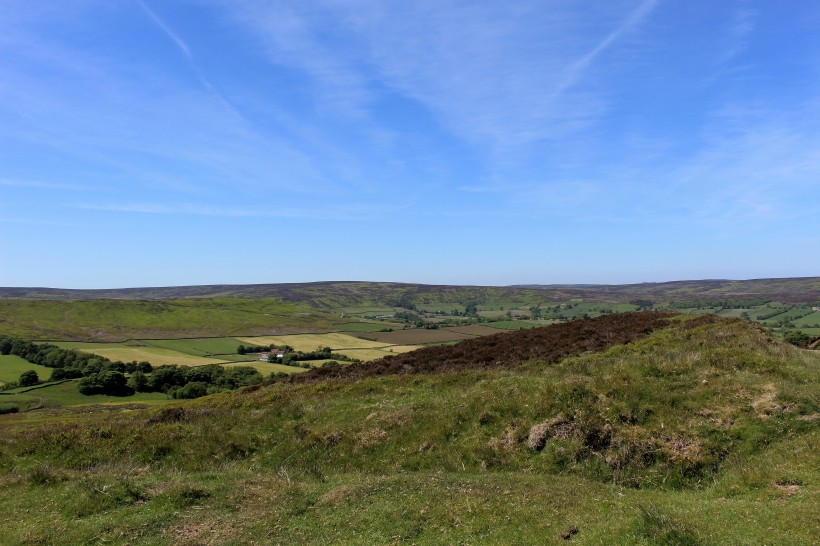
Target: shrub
x,y
9,408
194,389
29,378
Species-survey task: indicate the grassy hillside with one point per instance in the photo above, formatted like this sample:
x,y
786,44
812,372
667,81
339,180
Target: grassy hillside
x,y
118,320
702,432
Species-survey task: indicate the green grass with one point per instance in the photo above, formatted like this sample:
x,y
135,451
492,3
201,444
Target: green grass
x,y
118,320
733,313
198,347
157,356
789,315
66,394
267,368
12,366
440,307
367,310
310,342
364,326
693,435
518,324
808,320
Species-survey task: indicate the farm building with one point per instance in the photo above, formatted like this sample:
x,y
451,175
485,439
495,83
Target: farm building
x,y
278,354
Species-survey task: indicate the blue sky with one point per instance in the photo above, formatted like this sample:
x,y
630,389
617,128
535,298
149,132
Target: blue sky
x,y
147,143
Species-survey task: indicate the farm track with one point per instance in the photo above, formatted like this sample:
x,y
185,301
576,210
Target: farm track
x,y
550,344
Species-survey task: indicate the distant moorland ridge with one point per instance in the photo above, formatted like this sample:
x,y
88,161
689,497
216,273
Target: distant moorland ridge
x,y
330,293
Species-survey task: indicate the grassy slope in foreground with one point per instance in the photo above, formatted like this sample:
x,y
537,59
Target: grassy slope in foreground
x,y
119,320
701,433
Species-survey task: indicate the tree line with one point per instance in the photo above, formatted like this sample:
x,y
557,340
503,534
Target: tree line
x,y
192,382
99,375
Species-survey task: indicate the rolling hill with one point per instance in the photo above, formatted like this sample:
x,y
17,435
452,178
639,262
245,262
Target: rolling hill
x,y
671,430
342,293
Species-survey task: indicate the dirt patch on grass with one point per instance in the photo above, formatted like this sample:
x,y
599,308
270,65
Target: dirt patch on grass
x,y
549,344
557,427
337,496
764,405
787,487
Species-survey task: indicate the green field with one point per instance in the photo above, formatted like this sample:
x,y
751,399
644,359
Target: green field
x,y
790,314
441,307
118,320
267,368
309,342
197,347
12,366
808,321
366,355
363,326
733,313
518,324
127,353
66,394
367,311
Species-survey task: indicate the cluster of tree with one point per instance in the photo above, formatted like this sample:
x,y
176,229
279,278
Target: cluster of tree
x,y
98,375
405,301
245,349
471,309
408,316
642,304
66,363
108,382
193,382
796,337
322,353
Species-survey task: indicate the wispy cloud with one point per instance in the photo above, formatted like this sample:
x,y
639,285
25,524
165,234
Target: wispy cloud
x,y
38,184
494,76
186,52
577,69
738,32
165,28
735,39
348,211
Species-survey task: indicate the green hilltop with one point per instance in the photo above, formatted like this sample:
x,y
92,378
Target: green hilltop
x,y
695,431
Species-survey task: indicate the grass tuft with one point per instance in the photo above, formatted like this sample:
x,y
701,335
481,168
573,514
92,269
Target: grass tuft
x,y
661,530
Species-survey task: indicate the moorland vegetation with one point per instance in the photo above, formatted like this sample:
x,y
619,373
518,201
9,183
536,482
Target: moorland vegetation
x,y
667,430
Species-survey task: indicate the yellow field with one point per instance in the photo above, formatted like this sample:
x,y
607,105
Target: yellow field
x,y
266,368
401,348
309,342
155,355
368,354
